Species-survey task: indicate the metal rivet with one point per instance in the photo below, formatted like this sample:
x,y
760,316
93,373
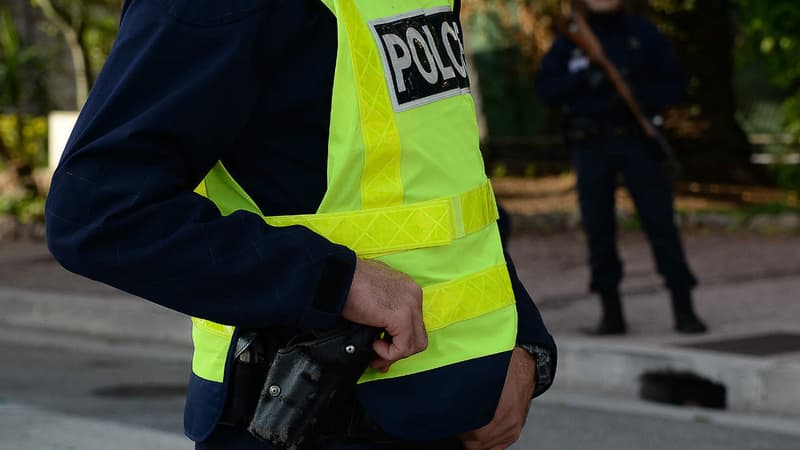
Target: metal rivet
x,y
350,349
274,390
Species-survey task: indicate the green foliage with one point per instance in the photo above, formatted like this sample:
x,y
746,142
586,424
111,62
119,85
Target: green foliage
x,y
10,62
26,209
530,170
22,138
788,177
21,67
673,6
770,41
499,170
772,209
792,109
102,22
32,149
630,222
100,35
770,38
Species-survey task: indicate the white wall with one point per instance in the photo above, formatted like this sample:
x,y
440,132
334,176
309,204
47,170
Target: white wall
x,y
60,125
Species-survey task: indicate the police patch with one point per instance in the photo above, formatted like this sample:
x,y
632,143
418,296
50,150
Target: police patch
x,y
423,56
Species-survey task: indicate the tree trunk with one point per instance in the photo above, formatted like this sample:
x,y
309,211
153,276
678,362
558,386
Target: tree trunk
x,y
80,67
78,54
707,136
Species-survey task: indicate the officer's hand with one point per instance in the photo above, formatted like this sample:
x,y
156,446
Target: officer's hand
x,y
385,298
509,418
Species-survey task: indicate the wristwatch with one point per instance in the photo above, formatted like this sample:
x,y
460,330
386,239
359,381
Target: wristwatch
x,y
544,367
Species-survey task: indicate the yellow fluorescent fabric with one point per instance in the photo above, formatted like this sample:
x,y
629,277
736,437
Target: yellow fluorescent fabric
x,y
377,231
457,343
211,343
476,296
229,197
381,184
405,182
201,188
466,298
440,159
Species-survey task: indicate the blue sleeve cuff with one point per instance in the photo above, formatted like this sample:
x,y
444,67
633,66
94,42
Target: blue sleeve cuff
x,y
333,286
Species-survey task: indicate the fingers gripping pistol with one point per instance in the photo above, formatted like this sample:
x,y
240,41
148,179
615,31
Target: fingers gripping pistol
x,y
303,380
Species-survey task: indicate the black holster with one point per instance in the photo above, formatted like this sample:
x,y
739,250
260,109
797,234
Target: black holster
x,y
299,398
251,359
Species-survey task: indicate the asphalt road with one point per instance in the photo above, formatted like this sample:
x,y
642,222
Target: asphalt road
x,y
144,388
122,387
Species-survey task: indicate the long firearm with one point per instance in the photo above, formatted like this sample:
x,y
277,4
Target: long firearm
x,y
580,33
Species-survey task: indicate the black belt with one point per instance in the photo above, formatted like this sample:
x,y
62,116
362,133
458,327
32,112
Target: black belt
x,y
583,129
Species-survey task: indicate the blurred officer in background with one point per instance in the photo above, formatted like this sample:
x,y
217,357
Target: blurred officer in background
x,y
605,141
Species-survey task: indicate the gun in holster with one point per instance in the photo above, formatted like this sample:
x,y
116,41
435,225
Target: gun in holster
x,y
300,388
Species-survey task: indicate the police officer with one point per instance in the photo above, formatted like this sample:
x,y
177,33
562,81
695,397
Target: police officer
x,y
280,166
606,141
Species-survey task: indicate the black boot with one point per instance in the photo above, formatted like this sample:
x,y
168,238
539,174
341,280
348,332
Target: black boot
x,y
612,322
686,320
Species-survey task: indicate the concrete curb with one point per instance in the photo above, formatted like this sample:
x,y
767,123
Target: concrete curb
x,y
752,384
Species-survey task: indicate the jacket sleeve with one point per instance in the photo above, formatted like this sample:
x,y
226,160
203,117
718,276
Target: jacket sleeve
x,y
178,87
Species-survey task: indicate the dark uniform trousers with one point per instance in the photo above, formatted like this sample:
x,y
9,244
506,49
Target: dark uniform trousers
x,y
225,438
598,161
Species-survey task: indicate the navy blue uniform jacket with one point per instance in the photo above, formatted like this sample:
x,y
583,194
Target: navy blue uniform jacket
x,y
188,83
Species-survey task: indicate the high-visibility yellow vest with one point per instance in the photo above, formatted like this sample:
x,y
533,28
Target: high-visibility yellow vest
x,y
406,183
